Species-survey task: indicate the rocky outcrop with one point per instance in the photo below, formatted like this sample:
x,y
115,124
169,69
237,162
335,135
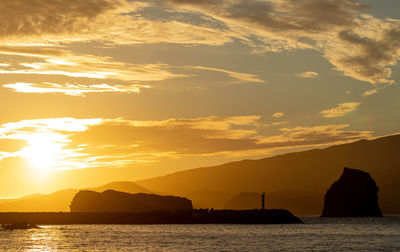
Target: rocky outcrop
x,y
120,202
353,195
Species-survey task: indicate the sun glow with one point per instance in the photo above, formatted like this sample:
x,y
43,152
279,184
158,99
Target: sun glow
x,y
42,152
47,146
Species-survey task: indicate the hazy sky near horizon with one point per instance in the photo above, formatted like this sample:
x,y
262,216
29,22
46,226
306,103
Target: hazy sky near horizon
x,y
125,90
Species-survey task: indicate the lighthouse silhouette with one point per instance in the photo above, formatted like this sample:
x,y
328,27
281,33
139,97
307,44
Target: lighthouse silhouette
x,y
263,201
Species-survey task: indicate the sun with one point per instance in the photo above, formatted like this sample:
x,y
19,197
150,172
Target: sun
x,y
42,153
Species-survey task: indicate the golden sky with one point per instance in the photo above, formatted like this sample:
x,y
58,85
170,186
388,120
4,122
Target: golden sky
x,y
100,90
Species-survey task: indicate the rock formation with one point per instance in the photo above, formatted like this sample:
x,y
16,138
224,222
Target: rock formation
x,y
118,202
353,195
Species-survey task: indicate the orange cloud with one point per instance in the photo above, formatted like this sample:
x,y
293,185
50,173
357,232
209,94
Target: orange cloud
x,y
307,75
240,77
68,143
314,136
369,92
359,45
341,110
355,43
59,62
278,114
65,63
73,89
228,136
53,22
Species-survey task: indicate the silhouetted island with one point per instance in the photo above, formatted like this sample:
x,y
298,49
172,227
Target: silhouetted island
x,y
353,195
117,202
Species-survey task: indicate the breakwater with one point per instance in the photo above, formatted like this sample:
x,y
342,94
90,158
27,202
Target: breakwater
x,y
198,216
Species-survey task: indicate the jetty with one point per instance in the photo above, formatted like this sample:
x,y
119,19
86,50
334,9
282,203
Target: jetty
x,y
197,216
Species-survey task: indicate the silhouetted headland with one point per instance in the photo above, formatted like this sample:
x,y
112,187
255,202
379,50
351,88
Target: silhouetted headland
x,y
353,195
115,202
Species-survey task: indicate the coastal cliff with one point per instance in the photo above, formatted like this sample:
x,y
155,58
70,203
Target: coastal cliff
x,y
353,195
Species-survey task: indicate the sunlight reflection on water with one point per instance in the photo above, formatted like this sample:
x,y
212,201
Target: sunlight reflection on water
x,y
317,234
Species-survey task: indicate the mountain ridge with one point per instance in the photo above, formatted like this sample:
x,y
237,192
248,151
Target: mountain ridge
x,y
309,171
294,181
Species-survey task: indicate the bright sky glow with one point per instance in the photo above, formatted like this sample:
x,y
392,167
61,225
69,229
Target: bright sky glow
x,y
151,87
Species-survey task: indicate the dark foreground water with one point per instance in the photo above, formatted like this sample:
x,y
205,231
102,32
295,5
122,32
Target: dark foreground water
x,y
369,234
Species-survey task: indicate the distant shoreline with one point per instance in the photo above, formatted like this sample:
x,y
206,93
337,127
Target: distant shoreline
x,y
270,216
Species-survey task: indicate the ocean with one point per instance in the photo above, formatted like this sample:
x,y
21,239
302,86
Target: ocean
x,y
359,234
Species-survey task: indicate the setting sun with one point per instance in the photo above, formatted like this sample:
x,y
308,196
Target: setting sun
x,y
42,153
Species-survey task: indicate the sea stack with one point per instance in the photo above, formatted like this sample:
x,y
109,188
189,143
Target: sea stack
x,y
355,194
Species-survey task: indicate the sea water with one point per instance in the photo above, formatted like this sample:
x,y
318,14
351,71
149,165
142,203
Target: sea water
x,y
363,234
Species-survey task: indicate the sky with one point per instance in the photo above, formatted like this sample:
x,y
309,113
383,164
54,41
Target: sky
x,y
101,90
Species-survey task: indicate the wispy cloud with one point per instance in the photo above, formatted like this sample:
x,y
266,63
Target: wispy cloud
x,y
307,75
369,92
207,136
83,143
341,110
278,114
369,52
108,21
131,78
60,62
73,89
314,135
359,45
54,20
241,77
355,43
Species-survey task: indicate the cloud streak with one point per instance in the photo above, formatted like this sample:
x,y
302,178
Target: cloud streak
x,y
59,62
84,143
239,77
369,92
307,75
73,89
278,114
341,110
208,136
131,78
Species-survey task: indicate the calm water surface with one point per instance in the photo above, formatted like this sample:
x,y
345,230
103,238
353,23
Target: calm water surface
x,y
369,234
